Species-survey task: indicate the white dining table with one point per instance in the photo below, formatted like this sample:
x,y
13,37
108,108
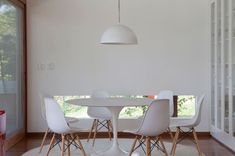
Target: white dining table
x,y
115,105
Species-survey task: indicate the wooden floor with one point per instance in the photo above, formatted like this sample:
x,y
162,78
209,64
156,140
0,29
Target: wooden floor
x,y
209,146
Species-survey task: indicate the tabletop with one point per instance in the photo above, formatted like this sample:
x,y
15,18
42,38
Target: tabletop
x,y
102,102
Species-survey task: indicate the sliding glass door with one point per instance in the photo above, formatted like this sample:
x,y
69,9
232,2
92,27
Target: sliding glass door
x,y
12,66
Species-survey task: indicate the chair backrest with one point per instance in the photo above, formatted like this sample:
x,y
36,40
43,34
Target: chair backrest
x,y
197,117
156,119
167,94
99,112
55,117
2,121
42,104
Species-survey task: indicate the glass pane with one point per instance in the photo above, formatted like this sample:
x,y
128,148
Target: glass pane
x,y
219,64
226,66
10,65
186,105
213,63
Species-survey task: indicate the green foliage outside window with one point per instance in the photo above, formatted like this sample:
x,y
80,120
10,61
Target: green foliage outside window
x,y
8,42
186,106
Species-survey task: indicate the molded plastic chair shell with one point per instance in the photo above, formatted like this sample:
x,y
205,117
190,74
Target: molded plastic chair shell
x,y
167,94
189,122
71,120
156,119
42,104
99,112
197,117
55,117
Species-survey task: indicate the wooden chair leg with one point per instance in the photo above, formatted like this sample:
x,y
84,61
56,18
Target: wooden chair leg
x,y
108,127
175,141
142,138
148,151
110,124
44,139
51,143
69,151
163,146
171,134
196,140
81,147
94,137
133,146
63,144
92,127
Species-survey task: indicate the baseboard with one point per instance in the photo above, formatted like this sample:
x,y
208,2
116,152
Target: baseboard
x,y
83,135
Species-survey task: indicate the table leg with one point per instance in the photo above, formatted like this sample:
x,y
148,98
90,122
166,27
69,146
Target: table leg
x,y
114,150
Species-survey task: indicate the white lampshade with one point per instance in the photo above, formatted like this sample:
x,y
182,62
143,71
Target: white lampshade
x,y
118,34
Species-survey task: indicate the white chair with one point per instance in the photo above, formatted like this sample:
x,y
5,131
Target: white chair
x,y
189,123
43,114
167,94
59,126
101,115
154,123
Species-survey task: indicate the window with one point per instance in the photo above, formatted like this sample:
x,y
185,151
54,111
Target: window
x,y
185,106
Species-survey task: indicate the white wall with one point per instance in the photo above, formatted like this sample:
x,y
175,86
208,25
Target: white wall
x,y
172,52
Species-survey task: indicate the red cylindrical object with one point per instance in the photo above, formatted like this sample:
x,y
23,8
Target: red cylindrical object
x,y
2,132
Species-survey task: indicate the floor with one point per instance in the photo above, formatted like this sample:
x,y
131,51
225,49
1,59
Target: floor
x,y
209,146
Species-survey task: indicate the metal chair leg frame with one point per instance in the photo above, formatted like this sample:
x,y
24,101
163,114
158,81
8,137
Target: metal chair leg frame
x,y
150,144
98,125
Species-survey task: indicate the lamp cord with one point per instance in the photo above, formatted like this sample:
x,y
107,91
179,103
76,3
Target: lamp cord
x,y
119,10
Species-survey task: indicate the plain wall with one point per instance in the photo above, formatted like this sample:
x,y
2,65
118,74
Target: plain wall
x,y
65,57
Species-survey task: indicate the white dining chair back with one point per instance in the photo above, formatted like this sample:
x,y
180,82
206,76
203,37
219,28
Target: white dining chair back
x,y
99,112
42,104
55,117
190,123
167,94
156,119
197,117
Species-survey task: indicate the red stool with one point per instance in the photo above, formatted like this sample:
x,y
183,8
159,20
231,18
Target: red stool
x,y
2,132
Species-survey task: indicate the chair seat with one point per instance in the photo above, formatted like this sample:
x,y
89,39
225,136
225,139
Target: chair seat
x,y
133,131
181,122
101,117
71,119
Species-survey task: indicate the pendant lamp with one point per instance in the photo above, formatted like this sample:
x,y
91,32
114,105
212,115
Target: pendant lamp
x,y
118,34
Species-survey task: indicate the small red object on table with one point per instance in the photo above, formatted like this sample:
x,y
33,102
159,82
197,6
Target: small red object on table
x,y
2,132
